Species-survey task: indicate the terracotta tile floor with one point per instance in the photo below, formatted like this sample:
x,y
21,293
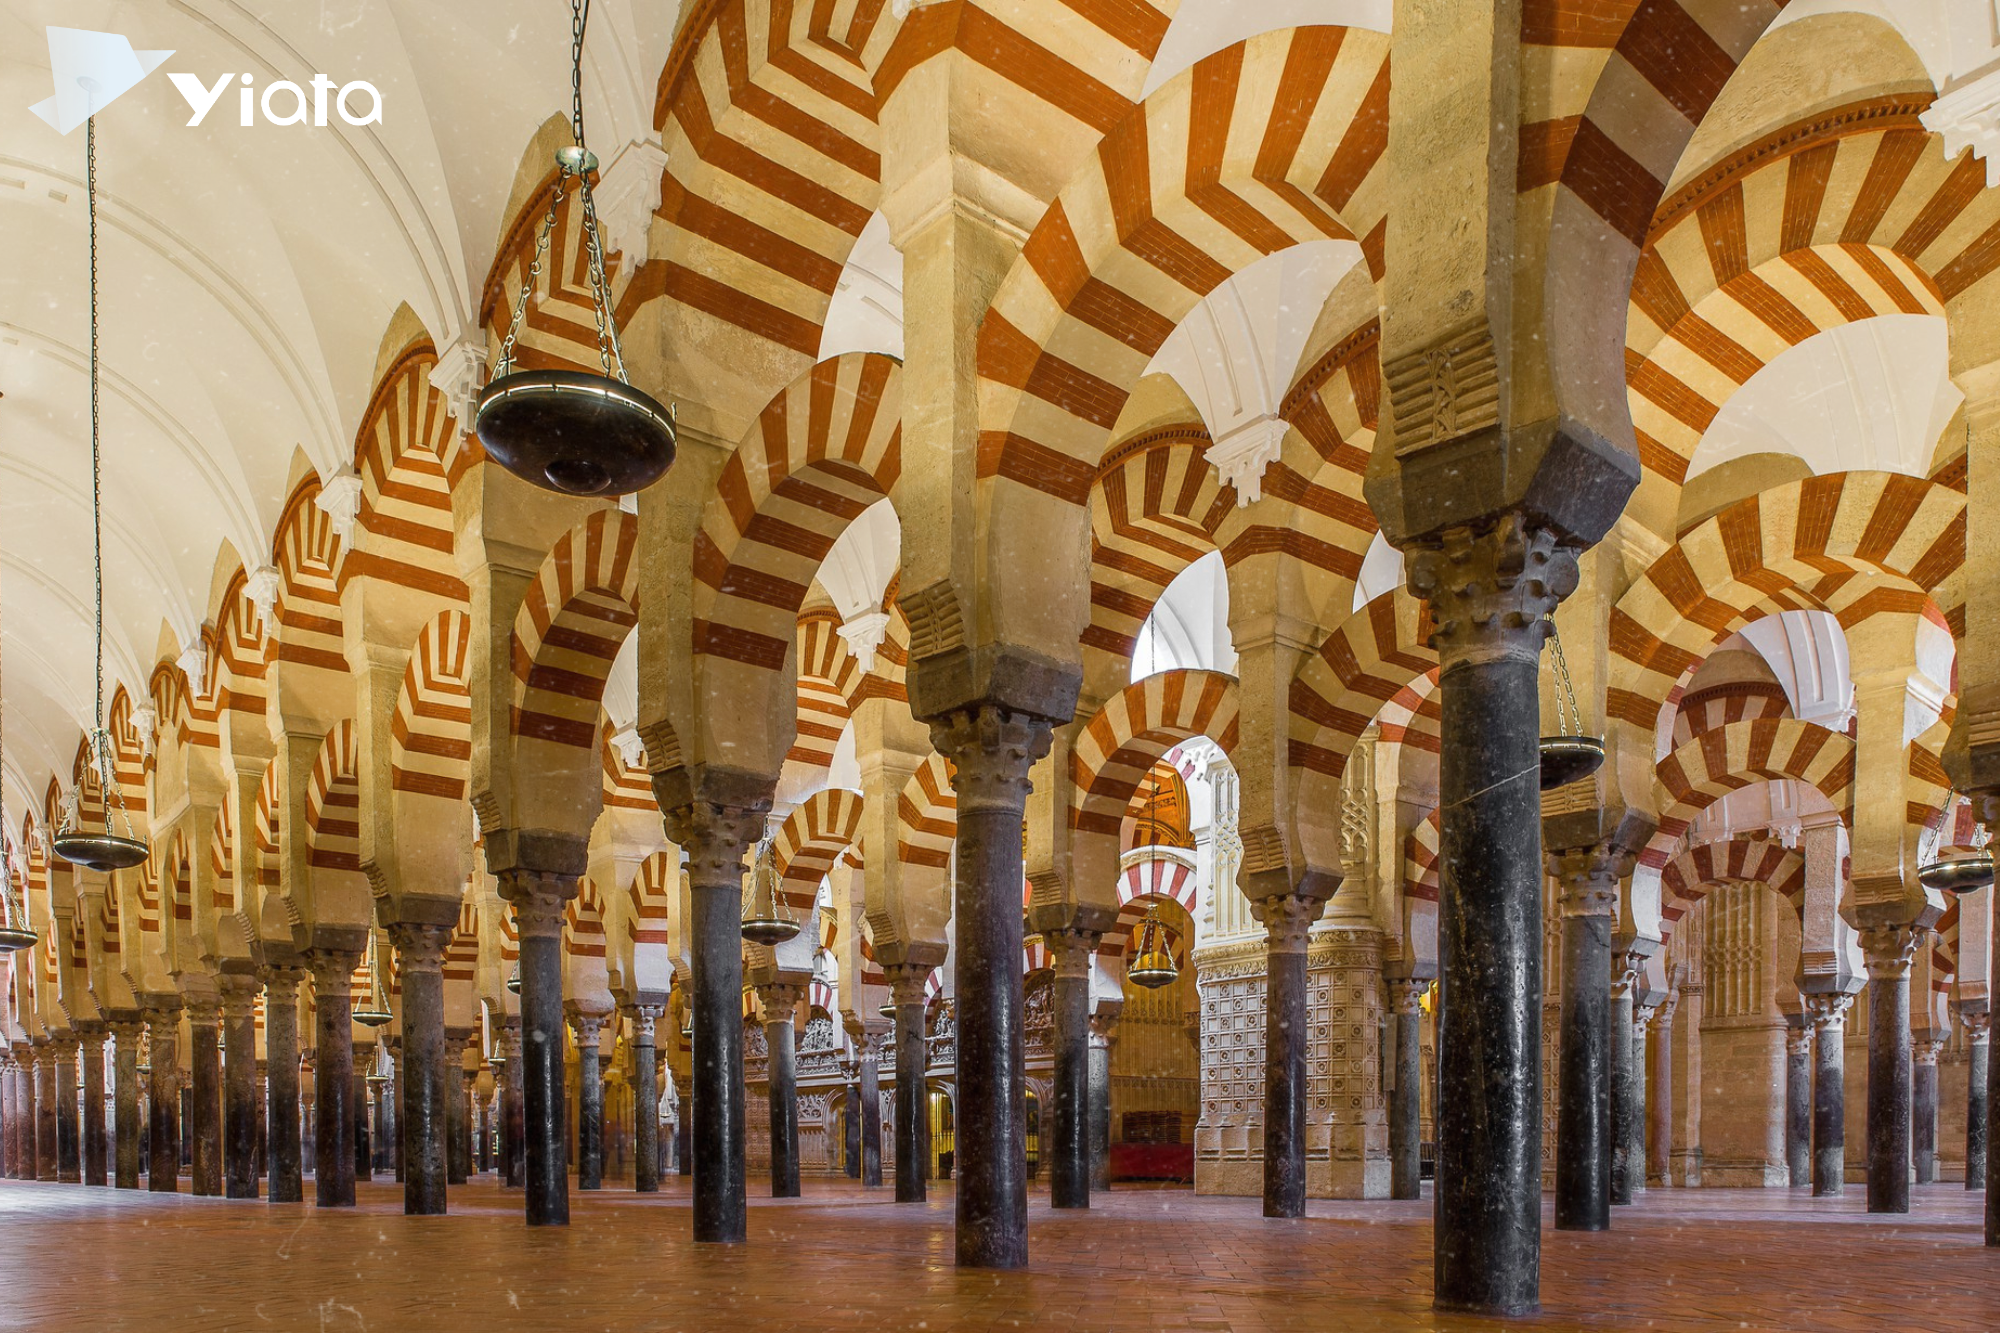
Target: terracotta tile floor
x,y
838,1259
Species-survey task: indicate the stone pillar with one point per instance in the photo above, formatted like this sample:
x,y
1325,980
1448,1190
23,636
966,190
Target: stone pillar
x,y
913,1112
993,748
1584,1059
850,1128
1624,973
389,1109
335,1111
868,1047
540,900
1489,594
426,1083
458,1161
164,1101
1924,1110
125,1123
1286,917
715,838
10,1115
1828,1013
69,1140
1889,950
90,1055
1066,1138
205,1069
283,1138
1406,1130
1978,1051
646,1095
781,1002
1634,1120
513,1124
684,1130
47,1126
367,1112
1798,1102
32,1159
1103,1036
239,1079
589,1101
1660,1094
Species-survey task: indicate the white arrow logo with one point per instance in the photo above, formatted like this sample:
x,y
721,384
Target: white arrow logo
x,y
92,70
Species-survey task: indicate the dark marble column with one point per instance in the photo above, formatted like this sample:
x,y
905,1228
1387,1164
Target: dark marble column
x,y
1066,1119
646,1096
69,1120
1828,1013
992,748
239,1079
1624,972
205,1108
684,1131
1406,1132
1660,1094
29,1084
427,1082
90,1056
1798,1101
913,1111
715,838
1287,917
1584,1071
589,1101
163,1100
389,1108
781,1003
1889,950
458,1108
868,1047
48,1115
850,1123
335,1112
540,900
1490,593
513,1123
1924,1110
1103,1036
1978,1051
282,1134
10,1118
367,1112
1634,1121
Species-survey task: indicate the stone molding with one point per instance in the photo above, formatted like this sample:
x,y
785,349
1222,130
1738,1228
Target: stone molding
x,y
992,748
421,948
1828,1010
1491,590
1890,950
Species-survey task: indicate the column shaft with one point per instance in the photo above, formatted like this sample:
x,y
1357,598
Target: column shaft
x,y
1798,1105
1286,920
1406,1130
239,1077
646,1095
1660,1099
1098,1113
48,1122
31,1119
205,1068
367,1111
1829,1111
1978,1049
427,1083
282,1136
1584,1058
163,1104
1066,1121
334,1110
69,1120
1924,1112
1889,950
913,1111
871,1111
590,1106
1620,1144
539,902
850,1125
781,1082
91,1055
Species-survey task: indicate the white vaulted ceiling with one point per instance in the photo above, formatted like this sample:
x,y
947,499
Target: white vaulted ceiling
x,y
248,276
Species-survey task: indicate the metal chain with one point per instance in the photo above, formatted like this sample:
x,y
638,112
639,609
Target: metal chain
x,y
528,282
1566,706
579,19
96,471
608,347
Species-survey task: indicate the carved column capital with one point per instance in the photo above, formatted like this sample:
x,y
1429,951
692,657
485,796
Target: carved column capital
x,y
1589,877
991,749
1663,1013
203,1012
420,948
715,838
1287,917
1890,950
1624,973
1104,1027
1490,590
239,996
540,898
644,1016
281,984
1926,1053
1406,995
1827,1011
1798,1040
589,1027
1977,1027
1070,950
780,1000
125,1029
333,971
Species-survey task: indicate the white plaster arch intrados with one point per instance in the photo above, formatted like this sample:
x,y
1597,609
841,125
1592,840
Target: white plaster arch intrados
x,y
1188,628
1203,27
866,312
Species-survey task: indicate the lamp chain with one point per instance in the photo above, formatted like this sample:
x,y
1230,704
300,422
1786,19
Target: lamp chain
x,y
1566,705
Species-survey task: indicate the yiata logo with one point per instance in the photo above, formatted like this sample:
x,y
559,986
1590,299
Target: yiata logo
x,y
293,107
92,70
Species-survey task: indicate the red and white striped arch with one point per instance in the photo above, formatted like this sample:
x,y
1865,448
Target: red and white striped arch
x,y
822,451
408,453
577,612
1259,147
242,649
583,921
1738,755
1849,543
333,803
1420,859
1735,701
1162,875
927,814
1134,728
1156,507
827,678
652,890
430,750
308,555
1686,879
813,836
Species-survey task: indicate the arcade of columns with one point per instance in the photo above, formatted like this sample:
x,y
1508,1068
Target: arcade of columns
x,y
394,776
